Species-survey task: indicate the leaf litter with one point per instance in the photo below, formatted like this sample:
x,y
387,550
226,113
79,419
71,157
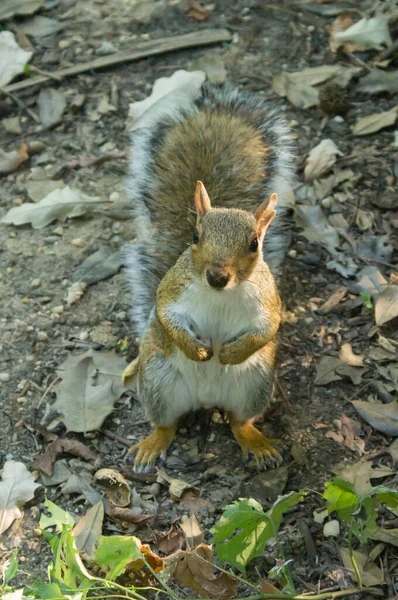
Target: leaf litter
x,y
16,488
12,58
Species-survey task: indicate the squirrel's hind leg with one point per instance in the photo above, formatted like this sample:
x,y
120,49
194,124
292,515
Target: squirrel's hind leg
x,y
152,447
251,440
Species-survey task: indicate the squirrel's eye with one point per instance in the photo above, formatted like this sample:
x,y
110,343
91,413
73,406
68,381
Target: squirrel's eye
x,y
195,237
254,245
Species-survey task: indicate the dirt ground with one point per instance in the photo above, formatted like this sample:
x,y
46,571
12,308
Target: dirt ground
x,y
36,333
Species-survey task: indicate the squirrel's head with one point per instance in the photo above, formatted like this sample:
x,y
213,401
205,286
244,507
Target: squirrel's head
x,y
227,243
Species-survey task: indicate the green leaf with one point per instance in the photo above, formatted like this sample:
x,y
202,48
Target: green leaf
x,y
46,591
58,518
245,529
68,569
341,498
114,553
10,567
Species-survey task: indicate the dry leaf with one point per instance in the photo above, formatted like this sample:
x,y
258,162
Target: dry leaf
x,y
375,122
38,189
268,588
171,542
116,487
366,34
347,355
371,574
12,58
213,65
383,417
393,450
197,11
9,161
59,204
44,462
177,487
321,159
126,514
331,368
17,487
195,569
316,227
40,26
378,81
181,88
88,530
333,301
192,531
388,536
52,104
364,219
75,292
331,528
386,307
342,22
11,8
360,474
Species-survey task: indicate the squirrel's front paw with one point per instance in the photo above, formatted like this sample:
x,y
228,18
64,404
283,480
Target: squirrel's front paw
x,y
200,352
229,354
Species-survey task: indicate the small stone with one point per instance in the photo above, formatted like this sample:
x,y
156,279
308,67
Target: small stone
x,y
59,231
64,44
327,202
35,147
114,196
36,283
121,316
21,400
12,125
292,253
4,377
78,242
154,489
294,123
30,328
105,49
235,38
83,335
22,384
58,310
42,336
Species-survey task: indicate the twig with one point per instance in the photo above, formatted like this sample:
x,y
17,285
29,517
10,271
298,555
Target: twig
x,y
45,73
118,438
283,393
46,391
204,37
20,104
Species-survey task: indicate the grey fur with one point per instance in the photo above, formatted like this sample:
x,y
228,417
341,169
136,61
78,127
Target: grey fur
x,y
144,260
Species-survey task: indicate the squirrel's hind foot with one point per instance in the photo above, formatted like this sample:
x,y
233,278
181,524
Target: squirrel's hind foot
x,y
151,448
251,440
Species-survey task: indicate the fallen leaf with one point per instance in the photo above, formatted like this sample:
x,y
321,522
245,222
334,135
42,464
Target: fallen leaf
x,y
12,57
115,486
320,515
100,265
79,484
126,514
388,536
52,104
11,8
331,528
75,292
192,531
371,281
177,487
88,530
58,517
378,81
268,588
59,204
171,542
265,487
351,431
375,122
60,474
17,487
9,161
197,11
366,34
37,190
360,474
316,227
386,200
299,453
44,462
12,125
342,22
393,450
386,307
383,417
333,301
195,569
364,219
370,573
375,247
331,368
40,26
344,265
347,355
182,85
321,159
213,65
84,399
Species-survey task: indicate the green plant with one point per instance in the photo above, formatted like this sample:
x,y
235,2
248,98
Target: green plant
x,y
358,510
367,299
245,529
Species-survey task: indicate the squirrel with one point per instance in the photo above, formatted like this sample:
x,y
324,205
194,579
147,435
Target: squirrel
x,y
210,244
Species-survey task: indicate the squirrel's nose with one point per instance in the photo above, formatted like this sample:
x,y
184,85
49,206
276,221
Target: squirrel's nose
x,y
217,279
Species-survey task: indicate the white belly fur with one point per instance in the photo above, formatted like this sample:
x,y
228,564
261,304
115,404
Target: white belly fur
x,y
220,316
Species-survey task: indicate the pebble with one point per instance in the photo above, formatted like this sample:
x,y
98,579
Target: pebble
x,y
42,336
327,202
154,489
78,242
292,254
63,44
121,316
105,49
36,283
83,336
58,310
114,196
59,231
4,377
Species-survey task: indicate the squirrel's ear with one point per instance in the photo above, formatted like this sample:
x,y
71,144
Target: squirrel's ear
x,y
265,213
202,200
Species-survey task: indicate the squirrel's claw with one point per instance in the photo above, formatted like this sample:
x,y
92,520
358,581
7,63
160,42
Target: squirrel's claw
x,y
151,448
252,441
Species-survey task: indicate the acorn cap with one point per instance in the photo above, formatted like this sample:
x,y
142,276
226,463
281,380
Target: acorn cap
x,y
333,100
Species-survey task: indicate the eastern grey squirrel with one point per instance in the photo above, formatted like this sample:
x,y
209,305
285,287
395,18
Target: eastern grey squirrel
x,y
204,181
